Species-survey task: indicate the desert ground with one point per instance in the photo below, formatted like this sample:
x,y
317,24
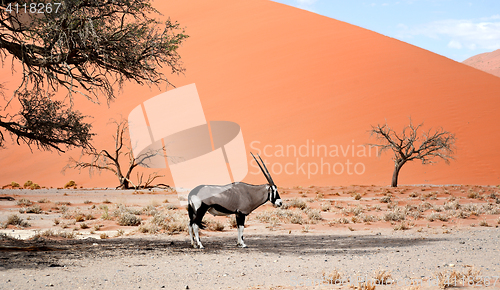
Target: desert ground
x,y
410,237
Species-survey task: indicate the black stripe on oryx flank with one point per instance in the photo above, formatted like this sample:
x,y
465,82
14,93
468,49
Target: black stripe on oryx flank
x,y
221,209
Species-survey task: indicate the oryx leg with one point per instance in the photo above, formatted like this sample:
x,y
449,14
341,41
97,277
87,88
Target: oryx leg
x,y
195,224
191,213
191,236
197,236
240,221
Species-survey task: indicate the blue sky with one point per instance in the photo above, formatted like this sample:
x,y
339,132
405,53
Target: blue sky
x,y
454,28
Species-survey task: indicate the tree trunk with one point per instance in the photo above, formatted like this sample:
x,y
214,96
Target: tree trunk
x,y
395,175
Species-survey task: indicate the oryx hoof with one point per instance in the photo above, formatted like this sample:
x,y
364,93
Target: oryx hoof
x,y
242,245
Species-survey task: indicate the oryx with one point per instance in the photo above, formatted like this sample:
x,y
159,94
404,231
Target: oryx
x,y
236,198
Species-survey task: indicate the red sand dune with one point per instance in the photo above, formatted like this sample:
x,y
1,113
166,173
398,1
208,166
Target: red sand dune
x,y
290,77
488,62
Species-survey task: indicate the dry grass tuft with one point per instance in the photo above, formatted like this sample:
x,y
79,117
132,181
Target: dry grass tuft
x,y
363,286
51,234
32,209
296,203
452,278
232,221
356,195
314,215
401,227
279,215
213,225
397,214
325,206
437,216
382,277
484,223
172,222
334,278
386,199
128,219
15,220
24,202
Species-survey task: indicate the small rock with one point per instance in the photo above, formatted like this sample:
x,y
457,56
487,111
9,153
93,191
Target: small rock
x,y
451,265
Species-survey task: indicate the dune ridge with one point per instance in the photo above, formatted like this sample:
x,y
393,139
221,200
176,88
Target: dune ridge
x,y
289,78
488,62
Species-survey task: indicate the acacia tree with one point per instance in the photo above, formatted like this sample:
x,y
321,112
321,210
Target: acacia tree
x,y
86,47
115,160
410,145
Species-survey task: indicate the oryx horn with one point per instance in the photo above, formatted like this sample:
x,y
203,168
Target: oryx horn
x,y
266,172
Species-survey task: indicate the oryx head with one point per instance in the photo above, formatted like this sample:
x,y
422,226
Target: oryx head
x,y
274,196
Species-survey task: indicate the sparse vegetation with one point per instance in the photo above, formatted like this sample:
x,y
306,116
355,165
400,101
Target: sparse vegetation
x,y
401,226
296,203
382,277
70,184
24,202
213,225
15,220
334,277
448,278
32,209
325,206
386,199
128,219
314,215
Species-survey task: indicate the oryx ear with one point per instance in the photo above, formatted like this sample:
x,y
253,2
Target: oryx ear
x,y
269,180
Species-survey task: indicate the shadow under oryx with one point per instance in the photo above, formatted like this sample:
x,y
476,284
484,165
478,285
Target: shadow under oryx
x,y
60,253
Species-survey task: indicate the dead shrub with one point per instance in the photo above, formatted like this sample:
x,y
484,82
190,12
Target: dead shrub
x,y
395,215
70,183
15,220
213,225
232,221
382,277
297,203
437,216
452,205
128,219
325,206
314,215
401,227
33,209
24,202
386,199
334,277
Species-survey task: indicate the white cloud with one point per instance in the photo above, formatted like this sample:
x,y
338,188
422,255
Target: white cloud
x,y
455,44
306,2
476,33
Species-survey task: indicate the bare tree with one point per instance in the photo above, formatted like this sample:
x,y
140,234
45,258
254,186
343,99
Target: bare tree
x,y
86,47
115,160
409,145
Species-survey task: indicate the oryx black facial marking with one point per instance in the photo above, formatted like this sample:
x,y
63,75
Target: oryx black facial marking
x,y
237,198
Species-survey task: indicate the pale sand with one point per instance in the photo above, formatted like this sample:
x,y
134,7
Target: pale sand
x,y
283,256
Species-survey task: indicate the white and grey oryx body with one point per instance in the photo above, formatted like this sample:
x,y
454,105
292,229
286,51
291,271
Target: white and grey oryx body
x,y
237,198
